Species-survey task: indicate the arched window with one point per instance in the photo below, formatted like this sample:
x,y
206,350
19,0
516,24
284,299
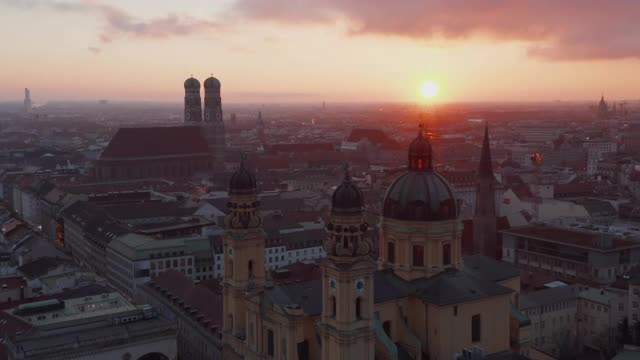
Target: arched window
x,y
446,254
250,266
251,333
283,349
333,306
358,308
475,328
270,344
418,255
391,252
386,326
230,320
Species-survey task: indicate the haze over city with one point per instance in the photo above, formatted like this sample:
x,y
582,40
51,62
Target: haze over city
x,y
319,180
310,51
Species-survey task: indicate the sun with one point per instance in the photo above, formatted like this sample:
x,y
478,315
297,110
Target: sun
x,y
429,89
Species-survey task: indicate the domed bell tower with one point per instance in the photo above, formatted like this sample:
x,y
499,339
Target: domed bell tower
x,y
244,241
213,122
420,233
347,279
192,102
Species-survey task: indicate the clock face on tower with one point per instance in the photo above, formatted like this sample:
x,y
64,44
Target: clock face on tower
x,y
218,116
359,285
187,115
207,115
332,284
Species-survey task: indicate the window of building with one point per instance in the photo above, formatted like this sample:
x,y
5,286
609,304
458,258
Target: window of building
x,y
475,328
283,349
391,252
250,266
455,310
358,308
635,304
386,326
446,254
333,306
270,345
418,255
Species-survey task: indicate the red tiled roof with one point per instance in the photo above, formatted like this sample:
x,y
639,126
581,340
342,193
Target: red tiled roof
x,y
574,189
201,297
156,141
297,272
374,136
298,148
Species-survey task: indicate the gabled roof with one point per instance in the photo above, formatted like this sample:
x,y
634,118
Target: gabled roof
x,y
155,141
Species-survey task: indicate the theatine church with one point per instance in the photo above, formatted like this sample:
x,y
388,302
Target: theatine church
x,y
421,299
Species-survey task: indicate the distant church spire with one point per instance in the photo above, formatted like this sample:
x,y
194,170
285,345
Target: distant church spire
x,y
484,218
485,168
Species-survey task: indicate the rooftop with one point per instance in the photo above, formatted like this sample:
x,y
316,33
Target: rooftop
x,y
584,239
155,141
548,296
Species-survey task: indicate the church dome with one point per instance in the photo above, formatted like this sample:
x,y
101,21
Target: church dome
x,y
347,197
192,83
242,181
212,83
420,194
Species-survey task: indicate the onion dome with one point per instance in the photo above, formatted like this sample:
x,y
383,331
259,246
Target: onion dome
x,y
242,181
347,198
212,83
192,83
420,154
420,194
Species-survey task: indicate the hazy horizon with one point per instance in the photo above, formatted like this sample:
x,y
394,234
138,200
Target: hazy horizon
x,y
326,50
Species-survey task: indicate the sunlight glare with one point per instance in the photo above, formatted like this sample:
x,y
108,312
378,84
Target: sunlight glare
x,y
429,89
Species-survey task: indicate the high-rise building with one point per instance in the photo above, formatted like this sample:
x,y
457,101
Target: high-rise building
x,y
213,123
484,219
192,102
27,100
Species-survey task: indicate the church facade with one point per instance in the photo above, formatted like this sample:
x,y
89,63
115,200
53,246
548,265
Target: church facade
x,y
418,300
171,152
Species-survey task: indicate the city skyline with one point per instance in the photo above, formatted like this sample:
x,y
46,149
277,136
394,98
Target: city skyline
x,y
322,50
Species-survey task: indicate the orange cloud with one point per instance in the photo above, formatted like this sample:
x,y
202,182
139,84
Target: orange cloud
x,y
557,30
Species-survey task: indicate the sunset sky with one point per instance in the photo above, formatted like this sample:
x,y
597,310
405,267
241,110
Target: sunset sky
x,y
315,50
